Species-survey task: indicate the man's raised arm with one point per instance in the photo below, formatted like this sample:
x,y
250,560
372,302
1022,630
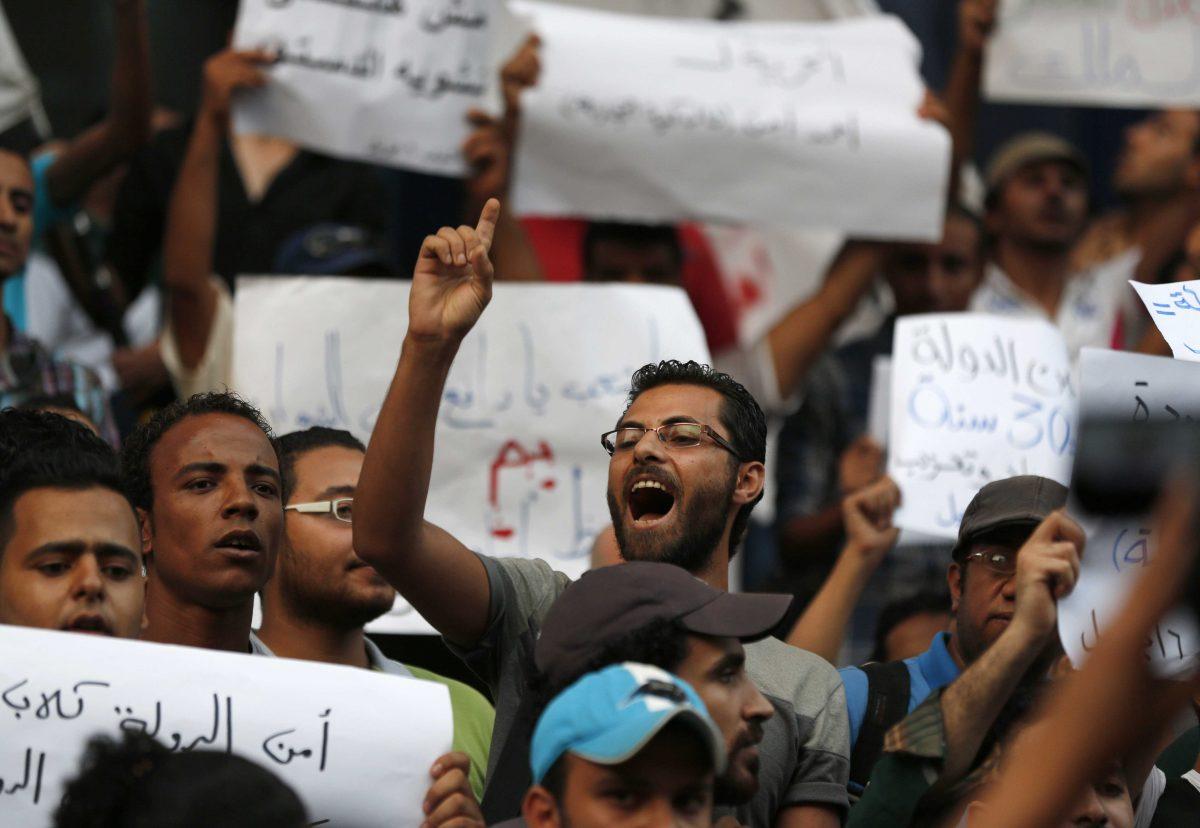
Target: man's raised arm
x,y
434,571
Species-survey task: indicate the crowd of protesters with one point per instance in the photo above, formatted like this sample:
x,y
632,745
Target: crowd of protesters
x,y
140,499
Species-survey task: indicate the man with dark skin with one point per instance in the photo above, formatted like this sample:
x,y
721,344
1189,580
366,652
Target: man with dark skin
x,y
204,476
674,498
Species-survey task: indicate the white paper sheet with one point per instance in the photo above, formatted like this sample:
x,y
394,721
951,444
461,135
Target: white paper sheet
x,y
385,81
787,124
1126,53
1175,309
518,469
355,745
1142,389
975,398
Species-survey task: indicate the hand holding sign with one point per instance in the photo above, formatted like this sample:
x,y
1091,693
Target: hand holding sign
x,y
225,73
1047,568
450,801
452,282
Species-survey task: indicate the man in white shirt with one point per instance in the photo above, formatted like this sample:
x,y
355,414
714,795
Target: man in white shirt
x,y
1036,211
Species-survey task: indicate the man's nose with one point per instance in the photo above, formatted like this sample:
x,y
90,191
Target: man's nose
x,y
87,579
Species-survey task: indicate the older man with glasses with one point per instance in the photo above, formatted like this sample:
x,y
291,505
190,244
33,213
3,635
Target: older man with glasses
x,y
322,594
1019,517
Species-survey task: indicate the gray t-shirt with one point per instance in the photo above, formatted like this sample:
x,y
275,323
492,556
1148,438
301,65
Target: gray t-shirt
x,y
804,755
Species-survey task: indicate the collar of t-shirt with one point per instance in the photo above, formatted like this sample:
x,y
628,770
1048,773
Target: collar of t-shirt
x,y
936,665
377,661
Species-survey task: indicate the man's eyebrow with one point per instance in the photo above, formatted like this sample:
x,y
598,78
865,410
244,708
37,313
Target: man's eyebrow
x,y
328,493
20,191
679,418
729,661
210,467
78,547
259,470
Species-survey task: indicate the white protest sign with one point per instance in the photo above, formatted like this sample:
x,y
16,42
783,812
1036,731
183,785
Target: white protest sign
x,y
975,398
785,124
384,81
1139,389
355,745
518,468
879,399
1175,309
1126,53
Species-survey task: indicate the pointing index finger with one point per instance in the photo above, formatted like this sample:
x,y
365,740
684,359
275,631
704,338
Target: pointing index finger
x,y
486,229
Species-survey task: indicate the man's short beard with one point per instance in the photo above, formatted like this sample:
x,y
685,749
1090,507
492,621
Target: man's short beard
x,y
325,605
693,541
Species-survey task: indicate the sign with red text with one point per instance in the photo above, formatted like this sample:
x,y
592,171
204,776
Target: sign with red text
x,y
1125,53
974,398
518,467
355,745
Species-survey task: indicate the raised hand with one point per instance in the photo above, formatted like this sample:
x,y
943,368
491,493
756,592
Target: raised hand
x,y
860,465
1047,569
228,71
867,517
976,20
452,282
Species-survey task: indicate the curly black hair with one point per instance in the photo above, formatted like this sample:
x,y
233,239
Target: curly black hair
x,y
741,416
40,449
135,454
138,783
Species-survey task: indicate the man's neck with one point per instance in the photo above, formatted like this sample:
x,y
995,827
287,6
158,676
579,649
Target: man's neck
x,y
954,650
1040,273
171,620
716,572
1145,214
292,637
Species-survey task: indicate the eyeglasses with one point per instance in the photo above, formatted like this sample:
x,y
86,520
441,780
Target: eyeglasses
x,y
342,508
997,560
674,435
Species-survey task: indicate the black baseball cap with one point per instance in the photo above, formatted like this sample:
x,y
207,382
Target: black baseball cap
x,y
1022,501
616,600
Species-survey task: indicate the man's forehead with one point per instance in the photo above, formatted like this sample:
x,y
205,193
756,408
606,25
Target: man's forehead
x,y
327,467
666,402
214,438
14,171
70,512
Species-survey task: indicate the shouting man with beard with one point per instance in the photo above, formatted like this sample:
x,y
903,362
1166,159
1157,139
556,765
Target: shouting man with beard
x,y
322,594
687,468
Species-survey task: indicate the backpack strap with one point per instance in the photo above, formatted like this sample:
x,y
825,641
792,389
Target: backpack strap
x,y
888,687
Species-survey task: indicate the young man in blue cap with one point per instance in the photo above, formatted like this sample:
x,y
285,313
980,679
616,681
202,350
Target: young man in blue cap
x,y
629,745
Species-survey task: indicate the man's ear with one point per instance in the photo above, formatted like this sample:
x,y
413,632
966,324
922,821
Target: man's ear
x,y
750,480
954,578
540,809
146,528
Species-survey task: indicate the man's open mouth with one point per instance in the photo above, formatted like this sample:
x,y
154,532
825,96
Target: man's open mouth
x,y
650,500
242,542
93,624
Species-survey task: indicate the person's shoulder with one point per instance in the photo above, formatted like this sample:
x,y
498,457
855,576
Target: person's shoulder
x,y
779,669
461,693
529,571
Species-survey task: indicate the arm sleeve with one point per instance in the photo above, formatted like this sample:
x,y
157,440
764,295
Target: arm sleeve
x,y
522,592
823,768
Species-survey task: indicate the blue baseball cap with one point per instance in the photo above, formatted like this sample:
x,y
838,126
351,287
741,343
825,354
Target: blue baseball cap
x,y
608,716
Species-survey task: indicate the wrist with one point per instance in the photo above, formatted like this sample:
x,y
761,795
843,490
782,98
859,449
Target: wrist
x,y
1031,633
431,350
